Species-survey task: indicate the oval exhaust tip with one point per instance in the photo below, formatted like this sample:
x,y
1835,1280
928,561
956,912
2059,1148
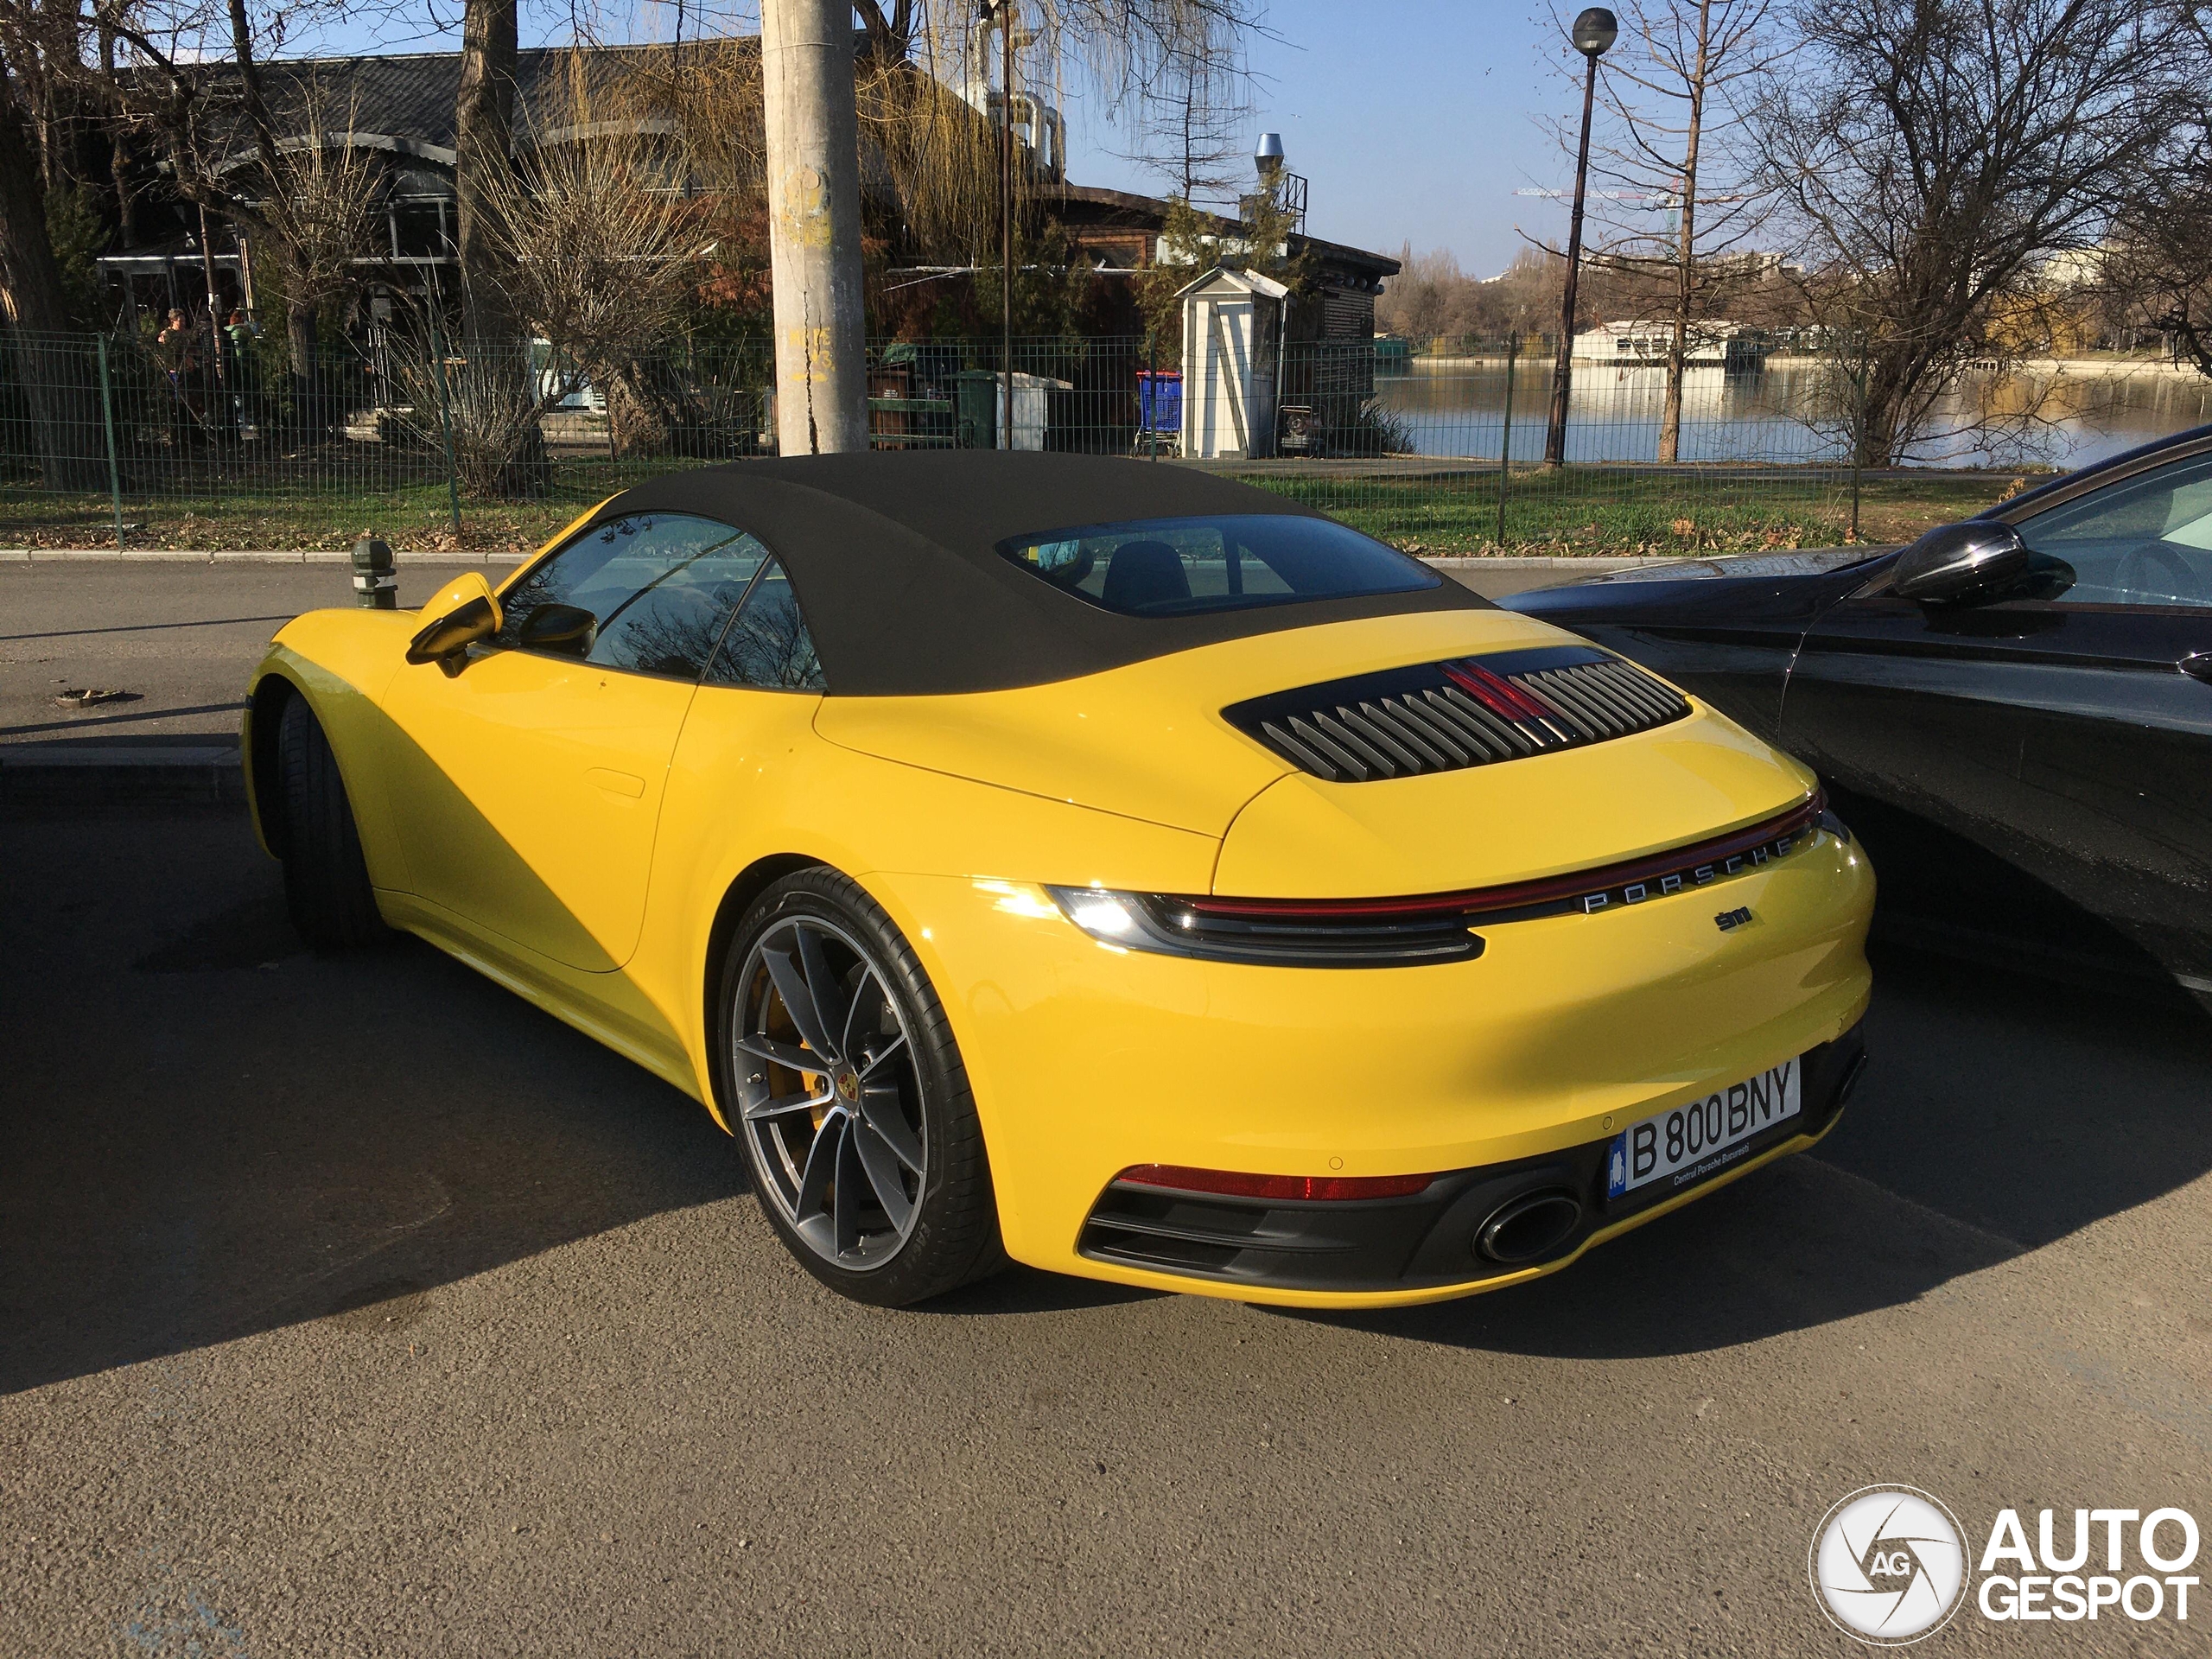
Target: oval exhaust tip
x,y
1528,1227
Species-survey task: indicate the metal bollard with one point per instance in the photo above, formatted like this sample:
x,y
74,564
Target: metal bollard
x,y
375,583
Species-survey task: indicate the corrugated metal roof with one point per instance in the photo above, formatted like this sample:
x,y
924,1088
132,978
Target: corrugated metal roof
x,y
411,96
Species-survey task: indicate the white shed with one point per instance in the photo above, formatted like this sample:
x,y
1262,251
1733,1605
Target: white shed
x,y
1032,407
1232,343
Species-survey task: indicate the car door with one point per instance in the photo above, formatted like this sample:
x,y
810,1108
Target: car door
x,y
2060,726
534,777
1725,629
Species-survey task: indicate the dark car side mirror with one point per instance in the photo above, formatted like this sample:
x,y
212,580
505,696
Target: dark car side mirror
x,y
1956,564
569,629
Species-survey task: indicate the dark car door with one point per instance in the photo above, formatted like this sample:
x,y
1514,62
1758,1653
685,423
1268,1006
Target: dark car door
x,y
1725,630
2060,726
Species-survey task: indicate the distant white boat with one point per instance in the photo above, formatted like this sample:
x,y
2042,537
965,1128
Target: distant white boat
x,y
1645,343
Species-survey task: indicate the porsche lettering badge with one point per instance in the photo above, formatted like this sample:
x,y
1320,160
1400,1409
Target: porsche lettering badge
x,y
1695,875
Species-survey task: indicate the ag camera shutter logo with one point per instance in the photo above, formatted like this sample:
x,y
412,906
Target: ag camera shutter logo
x,y
1888,1565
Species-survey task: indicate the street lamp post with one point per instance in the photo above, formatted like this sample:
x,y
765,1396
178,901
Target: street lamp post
x,y
1594,30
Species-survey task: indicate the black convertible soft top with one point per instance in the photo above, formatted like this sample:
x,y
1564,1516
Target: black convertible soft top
x,y
893,557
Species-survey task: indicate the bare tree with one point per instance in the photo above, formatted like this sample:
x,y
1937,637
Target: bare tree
x,y
185,80
1430,298
37,308
1677,138
595,243
1191,115
2155,269
319,195
1929,154
484,118
1163,62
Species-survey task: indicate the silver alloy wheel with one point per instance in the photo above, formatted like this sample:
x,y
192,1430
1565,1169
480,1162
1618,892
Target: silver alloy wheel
x,y
828,1094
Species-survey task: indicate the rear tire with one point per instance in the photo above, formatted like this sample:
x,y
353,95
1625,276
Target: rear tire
x,y
325,878
849,1097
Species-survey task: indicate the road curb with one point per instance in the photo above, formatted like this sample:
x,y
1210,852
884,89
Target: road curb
x,y
1453,564
35,776
1595,564
228,556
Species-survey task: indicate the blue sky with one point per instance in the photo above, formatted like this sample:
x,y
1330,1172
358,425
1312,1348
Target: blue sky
x,y
1415,119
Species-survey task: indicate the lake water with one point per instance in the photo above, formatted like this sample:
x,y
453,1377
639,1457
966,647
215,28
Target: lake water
x,y
1457,408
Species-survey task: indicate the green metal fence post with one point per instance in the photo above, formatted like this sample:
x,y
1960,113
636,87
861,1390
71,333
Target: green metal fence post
x,y
445,418
107,419
1151,384
1505,443
1857,432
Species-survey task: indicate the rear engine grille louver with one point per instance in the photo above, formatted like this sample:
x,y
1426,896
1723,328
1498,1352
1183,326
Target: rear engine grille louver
x,y
1468,712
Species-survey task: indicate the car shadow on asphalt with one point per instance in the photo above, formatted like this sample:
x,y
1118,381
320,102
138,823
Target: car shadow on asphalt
x,y
2000,1114
214,1131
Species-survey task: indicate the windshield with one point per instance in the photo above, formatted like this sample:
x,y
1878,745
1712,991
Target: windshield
x,y
1177,567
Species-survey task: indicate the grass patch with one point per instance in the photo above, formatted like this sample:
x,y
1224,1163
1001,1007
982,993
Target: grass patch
x,y
1574,510
415,517
1592,512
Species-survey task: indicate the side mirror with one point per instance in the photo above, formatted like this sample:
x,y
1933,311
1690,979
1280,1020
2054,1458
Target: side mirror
x,y
1955,563
567,629
463,613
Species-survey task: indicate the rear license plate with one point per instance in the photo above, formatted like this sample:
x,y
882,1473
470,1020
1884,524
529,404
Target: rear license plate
x,y
1700,1138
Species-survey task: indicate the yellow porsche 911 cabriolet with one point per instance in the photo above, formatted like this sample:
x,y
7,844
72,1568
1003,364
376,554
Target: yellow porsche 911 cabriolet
x,y
1100,864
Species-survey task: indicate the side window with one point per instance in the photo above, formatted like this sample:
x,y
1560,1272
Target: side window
x,y
661,585
2145,540
768,646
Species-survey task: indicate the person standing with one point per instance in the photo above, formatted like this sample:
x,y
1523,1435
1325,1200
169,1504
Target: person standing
x,y
239,332
181,356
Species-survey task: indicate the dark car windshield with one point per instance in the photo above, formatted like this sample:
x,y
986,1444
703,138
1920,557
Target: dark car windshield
x,y
1177,567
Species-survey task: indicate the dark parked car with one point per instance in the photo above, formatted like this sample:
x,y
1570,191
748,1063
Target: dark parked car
x,y
2015,712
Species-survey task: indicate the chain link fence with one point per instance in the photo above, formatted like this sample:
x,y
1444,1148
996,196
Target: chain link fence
x,y
190,442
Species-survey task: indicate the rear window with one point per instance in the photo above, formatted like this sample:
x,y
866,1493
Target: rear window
x,y
1177,567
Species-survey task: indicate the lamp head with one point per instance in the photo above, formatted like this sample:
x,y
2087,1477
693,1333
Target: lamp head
x,y
1594,32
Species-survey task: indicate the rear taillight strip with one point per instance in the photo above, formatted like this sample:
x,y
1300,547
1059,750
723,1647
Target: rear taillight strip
x,y
1418,930
1686,860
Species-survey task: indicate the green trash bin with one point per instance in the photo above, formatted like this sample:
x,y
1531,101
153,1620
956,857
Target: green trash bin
x,y
975,395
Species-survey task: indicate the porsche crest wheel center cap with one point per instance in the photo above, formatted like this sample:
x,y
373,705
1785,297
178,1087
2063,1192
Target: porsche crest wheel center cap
x,y
848,1087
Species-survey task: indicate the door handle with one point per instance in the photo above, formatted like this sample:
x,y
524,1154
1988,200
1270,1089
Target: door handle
x,y
617,783
2198,667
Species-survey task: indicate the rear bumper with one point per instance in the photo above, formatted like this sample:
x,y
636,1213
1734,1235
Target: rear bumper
x,y
1429,1240
1087,1059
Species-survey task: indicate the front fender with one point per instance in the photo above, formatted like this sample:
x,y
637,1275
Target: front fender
x,y
340,661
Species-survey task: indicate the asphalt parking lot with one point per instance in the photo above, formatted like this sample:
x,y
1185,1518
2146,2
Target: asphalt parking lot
x,y
176,638
350,1305
172,640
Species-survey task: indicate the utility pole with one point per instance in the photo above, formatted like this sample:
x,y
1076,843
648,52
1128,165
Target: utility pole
x,y
814,225
1002,11
1594,30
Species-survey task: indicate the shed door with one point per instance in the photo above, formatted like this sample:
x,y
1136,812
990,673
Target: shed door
x,y
1222,423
